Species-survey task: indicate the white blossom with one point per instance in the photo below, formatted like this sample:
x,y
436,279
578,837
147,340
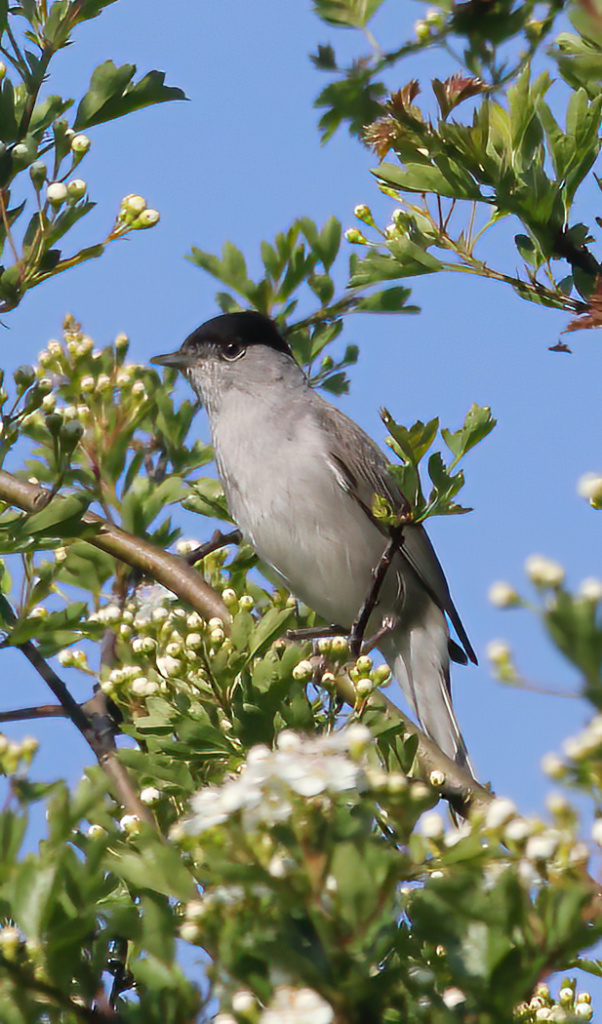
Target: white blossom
x,y
297,1006
544,572
453,997
542,846
589,486
265,787
432,826
499,812
591,589
503,595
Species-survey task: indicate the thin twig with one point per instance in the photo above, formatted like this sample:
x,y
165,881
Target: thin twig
x,y
219,540
169,570
26,714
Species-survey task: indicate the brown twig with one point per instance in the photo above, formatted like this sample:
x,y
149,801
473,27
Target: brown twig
x,y
95,725
463,792
219,540
169,570
26,714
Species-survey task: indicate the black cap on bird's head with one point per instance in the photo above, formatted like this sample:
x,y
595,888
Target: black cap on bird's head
x,y
229,335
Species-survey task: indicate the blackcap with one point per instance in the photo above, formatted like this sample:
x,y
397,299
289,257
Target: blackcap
x,y
300,479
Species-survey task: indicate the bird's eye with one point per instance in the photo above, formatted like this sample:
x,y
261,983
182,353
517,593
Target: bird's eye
x,y
233,350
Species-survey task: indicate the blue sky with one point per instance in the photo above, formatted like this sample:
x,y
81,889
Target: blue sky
x,y
240,161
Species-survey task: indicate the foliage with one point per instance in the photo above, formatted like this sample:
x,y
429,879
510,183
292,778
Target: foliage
x,y
271,810
455,178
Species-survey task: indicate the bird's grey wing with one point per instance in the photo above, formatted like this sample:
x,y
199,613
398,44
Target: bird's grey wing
x,y
364,471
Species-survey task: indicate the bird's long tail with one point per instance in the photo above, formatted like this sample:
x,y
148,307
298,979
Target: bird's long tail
x,y
418,658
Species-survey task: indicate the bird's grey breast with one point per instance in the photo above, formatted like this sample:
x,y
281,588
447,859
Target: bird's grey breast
x,y
288,497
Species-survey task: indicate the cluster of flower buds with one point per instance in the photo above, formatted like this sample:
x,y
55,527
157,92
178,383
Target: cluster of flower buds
x,y
134,214
431,23
16,756
59,192
544,572
569,1005
500,655
166,645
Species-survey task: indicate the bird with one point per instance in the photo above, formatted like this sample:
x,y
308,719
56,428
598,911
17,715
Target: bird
x,y
301,478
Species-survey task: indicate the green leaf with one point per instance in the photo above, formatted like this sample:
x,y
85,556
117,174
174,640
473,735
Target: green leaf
x,y
478,423
391,300
60,512
349,13
112,94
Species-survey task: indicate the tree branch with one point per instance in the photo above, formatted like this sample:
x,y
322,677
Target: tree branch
x,y
169,570
26,714
464,793
95,725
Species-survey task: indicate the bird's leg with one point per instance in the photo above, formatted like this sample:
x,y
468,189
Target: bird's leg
x,y
356,634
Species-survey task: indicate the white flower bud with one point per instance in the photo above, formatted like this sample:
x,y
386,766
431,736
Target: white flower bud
x,y
502,595
133,204
195,640
56,193
95,831
499,652
589,486
10,939
553,766
355,237
39,612
542,846
245,602
147,219
160,614
584,1010
591,589
189,932
29,746
453,997
437,778
517,830
432,826
76,188
130,824
364,687
80,144
303,671
499,812
150,795
243,1002
544,572
87,384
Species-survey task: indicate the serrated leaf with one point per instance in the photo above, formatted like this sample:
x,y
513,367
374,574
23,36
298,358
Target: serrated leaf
x,y
112,94
478,422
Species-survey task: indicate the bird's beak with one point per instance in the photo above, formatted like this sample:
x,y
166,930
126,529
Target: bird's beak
x,y
177,360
